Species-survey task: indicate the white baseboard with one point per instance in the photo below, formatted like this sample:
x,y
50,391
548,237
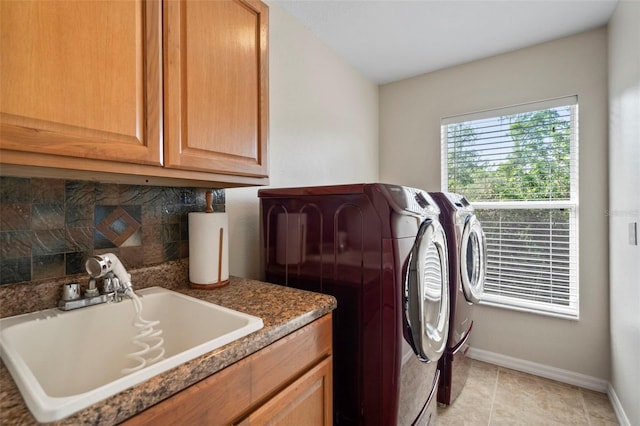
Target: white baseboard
x,y
617,407
553,373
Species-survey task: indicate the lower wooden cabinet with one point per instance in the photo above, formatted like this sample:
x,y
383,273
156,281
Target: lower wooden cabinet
x,y
307,401
286,383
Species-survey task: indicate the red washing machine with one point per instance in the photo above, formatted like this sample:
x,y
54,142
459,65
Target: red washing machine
x,y
467,268
380,250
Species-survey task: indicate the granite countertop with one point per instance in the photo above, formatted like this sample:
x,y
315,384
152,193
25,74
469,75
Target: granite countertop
x,y
282,309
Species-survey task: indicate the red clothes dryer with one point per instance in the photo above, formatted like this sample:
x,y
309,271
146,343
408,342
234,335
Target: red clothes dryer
x,y
380,250
467,267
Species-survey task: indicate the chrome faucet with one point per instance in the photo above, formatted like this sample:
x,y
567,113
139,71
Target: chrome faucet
x,y
72,299
116,284
117,280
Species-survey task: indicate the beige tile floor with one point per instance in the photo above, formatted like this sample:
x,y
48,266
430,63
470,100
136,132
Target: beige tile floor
x,y
499,396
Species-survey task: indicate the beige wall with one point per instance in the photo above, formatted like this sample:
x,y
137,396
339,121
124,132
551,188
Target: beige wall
x,y
410,114
323,129
624,204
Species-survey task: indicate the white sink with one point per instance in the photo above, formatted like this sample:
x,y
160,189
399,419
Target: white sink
x,y
63,362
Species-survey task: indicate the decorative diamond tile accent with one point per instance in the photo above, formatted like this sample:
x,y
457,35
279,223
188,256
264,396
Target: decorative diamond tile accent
x,y
118,226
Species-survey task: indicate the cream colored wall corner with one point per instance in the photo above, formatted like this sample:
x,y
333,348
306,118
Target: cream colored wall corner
x,y
410,114
323,129
624,206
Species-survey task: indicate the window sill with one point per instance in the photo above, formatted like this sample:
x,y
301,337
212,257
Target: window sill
x,y
531,310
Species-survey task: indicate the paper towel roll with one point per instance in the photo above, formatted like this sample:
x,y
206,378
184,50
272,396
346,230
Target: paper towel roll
x,y
208,249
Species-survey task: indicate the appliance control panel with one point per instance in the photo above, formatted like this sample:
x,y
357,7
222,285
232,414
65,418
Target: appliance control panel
x,y
412,200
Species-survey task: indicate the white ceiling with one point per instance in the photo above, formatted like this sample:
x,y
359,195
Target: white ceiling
x,y
389,40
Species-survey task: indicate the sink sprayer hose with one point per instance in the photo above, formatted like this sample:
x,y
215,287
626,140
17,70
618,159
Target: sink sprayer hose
x,y
149,339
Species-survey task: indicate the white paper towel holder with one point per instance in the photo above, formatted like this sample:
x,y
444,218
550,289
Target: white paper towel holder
x,y
220,282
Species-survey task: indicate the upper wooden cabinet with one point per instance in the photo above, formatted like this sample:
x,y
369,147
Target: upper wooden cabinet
x,y
216,98
173,90
81,79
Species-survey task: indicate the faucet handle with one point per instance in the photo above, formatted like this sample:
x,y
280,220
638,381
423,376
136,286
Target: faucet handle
x,y
108,284
92,291
71,291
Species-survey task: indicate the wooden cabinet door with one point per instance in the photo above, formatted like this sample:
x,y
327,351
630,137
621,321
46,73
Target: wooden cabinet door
x,y
216,100
81,79
307,401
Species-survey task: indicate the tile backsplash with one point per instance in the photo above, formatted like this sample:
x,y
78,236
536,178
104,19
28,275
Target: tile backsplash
x,y
48,227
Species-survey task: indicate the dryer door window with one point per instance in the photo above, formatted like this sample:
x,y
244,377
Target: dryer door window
x,y
473,259
427,293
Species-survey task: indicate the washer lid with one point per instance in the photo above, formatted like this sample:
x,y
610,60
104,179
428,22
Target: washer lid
x,y
426,292
473,259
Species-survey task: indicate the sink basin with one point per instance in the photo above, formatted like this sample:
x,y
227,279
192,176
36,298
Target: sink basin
x,y
63,362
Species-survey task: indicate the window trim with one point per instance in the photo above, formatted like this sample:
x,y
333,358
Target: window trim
x,y
513,303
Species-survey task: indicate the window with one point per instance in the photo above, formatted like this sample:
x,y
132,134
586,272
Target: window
x,y
519,168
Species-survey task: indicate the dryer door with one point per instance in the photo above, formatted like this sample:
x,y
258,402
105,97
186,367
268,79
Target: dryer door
x,y
427,293
473,259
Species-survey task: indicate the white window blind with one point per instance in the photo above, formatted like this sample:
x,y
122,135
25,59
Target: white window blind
x,y
519,168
